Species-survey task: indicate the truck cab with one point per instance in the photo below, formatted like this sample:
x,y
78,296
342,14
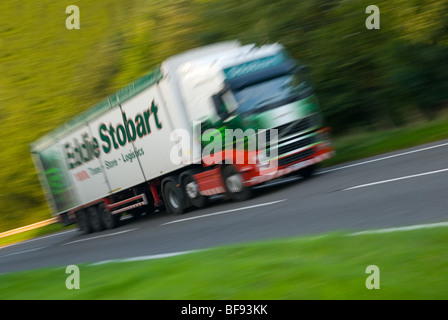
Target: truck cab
x,y
265,93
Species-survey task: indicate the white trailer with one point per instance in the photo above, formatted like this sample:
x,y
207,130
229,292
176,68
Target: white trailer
x,y
116,156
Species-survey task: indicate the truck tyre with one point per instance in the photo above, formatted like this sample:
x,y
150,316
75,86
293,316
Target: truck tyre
x,y
66,219
110,220
172,198
83,222
307,172
96,223
191,191
235,189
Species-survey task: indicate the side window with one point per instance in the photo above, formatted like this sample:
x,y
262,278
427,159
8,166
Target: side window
x,y
229,101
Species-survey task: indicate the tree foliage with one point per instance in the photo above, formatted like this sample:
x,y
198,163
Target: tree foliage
x,y
364,78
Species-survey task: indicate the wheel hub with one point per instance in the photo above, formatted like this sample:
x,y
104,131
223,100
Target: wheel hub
x,y
234,183
173,200
192,189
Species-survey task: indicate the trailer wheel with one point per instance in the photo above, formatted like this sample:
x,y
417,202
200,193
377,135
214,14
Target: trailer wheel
x,y
83,222
191,191
235,189
173,198
96,222
110,220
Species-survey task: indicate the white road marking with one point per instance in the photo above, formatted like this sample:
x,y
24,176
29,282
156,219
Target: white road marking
x,y
172,254
396,179
101,236
38,238
225,211
373,231
407,228
21,252
382,158
143,258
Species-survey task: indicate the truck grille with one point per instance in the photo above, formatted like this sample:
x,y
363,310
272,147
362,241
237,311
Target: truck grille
x,y
292,128
296,145
296,127
295,157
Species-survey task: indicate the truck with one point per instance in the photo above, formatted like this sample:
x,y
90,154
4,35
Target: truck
x,y
218,119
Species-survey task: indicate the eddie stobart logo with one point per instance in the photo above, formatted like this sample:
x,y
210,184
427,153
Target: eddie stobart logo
x,y
121,135
118,136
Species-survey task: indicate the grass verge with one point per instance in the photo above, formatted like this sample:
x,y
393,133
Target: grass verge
x,y
412,265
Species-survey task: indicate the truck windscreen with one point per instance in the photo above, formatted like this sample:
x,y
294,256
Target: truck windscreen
x,y
272,93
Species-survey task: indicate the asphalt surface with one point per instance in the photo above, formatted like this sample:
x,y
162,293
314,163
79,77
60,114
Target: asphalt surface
x,y
402,188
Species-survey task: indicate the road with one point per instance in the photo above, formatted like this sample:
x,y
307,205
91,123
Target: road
x,y
402,188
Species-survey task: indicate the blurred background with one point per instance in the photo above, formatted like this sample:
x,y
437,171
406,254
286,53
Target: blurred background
x,y
366,80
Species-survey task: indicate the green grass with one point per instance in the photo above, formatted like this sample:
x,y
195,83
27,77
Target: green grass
x,y
412,265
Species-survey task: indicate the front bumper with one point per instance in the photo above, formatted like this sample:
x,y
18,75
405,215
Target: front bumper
x,y
319,153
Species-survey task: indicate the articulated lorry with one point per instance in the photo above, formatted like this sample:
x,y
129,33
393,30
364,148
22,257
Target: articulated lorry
x,y
219,119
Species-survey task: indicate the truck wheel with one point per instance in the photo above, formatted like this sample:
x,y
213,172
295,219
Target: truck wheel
x,y
191,191
307,172
173,198
96,223
110,220
83,222
235,189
